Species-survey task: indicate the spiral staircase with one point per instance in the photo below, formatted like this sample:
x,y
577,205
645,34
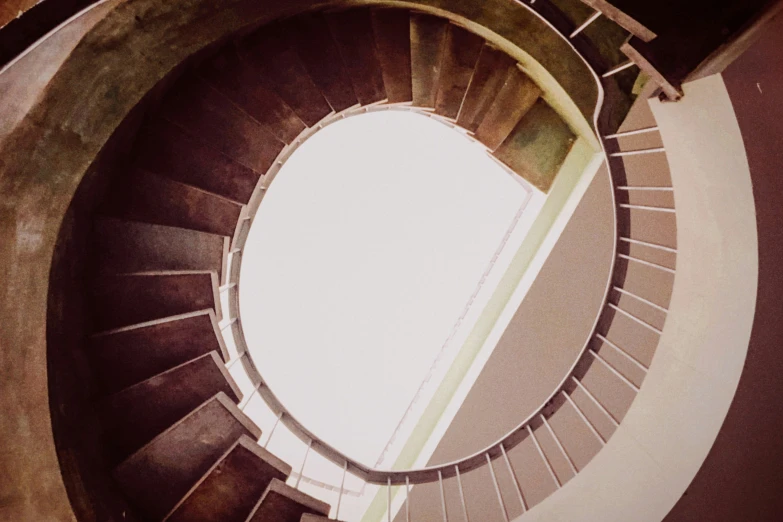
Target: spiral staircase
x,y
150,248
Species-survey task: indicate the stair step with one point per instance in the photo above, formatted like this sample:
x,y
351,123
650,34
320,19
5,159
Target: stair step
x,y
228,491
488,77
428,36
392,28
352,30
143,196
461,52
210,117
165,149
238,81
515,98
122,300
129,246
282,503
313,41
283,72
126,356
538,146
158,475
135,415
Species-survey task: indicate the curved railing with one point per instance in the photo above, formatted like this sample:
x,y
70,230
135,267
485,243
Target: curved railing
x,y
606,95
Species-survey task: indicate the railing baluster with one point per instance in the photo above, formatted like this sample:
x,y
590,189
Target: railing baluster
x,y
617,69
514,477
647,207
640,299
596,401
648,244
637,152
388,499
627,355
443,498
584,418
244,404
559,445
629,188
647,263
544,457
274,427
612,369
304,461
342,490
586,24
462,495
407,499
497,487
634,318
631,132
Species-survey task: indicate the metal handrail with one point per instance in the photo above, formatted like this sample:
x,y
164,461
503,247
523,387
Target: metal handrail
x,y
583,48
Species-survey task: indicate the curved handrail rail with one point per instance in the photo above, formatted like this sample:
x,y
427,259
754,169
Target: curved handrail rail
x,y
556,21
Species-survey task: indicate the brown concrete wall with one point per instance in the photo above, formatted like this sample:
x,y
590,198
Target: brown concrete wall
x,y
743,474
542,341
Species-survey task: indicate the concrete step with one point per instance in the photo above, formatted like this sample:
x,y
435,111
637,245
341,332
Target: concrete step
x,y
238,81
128,246
126,356
134,416
164,148
210,117
352,30
313,41
157,476
280,69
537,146
143,196
428,36
513,100
392,30
460,54
122,300
228,491
488,76
282,503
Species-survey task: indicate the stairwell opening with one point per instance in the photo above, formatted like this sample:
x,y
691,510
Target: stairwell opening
x,y
371,256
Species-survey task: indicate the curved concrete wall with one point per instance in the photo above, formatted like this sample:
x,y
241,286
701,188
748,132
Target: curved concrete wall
x,y
672,424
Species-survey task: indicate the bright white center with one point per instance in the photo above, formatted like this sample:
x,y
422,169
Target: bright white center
x,y
363,255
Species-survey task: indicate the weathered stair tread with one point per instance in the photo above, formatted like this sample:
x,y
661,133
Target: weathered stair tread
x,y
228,491
537,146
428,35
392,30
514,99
126,356
122,300
280,68
165,149
282,503
159,474
135,415
130,246
210,117
149,198
488,77
239,82
460,54
352,30
312,39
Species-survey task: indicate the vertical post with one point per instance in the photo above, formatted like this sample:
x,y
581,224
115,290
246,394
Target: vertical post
x,y
462,494
443,497
514,478
559,445
304,461
543,457
274,427
407,500
497,487
388,499
342,490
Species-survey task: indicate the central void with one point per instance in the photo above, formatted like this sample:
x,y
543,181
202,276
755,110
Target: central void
x,y
362,257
